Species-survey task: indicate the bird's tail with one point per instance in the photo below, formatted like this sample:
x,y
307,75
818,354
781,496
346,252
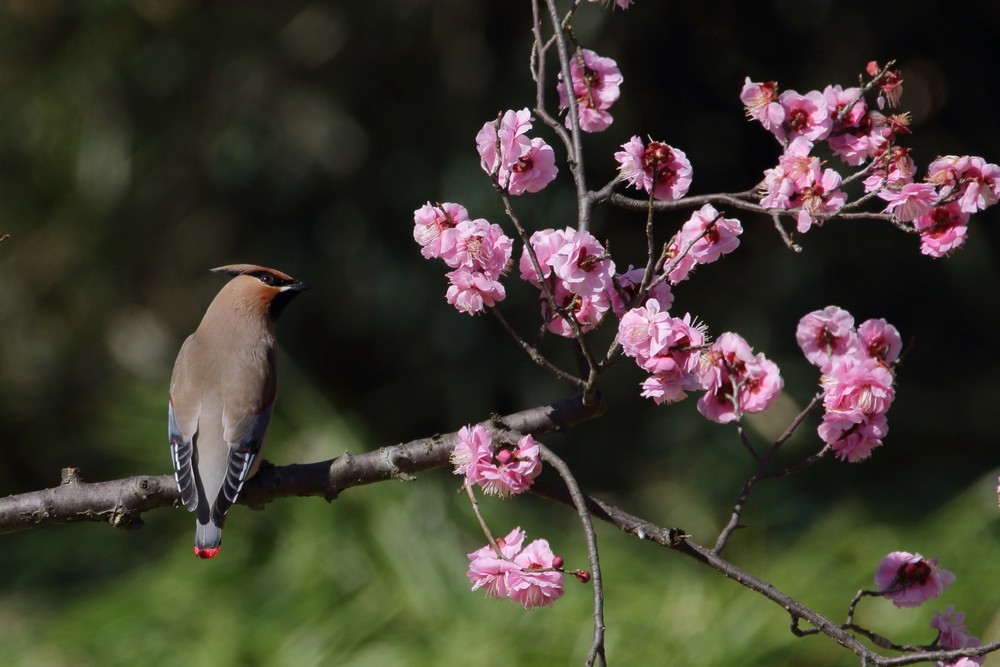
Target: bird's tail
x,y
207,539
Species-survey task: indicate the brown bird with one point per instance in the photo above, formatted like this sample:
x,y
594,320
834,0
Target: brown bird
x,y
221,395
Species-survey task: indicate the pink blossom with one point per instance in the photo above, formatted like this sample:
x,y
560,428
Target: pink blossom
x,y
627,284
596,86
535,582
471,291
545,243
850,138
526,575
910,201
582,264
500,471
533,170
576,258
975,181
805,116
588,311
669,387
523,164
489,570
799,182
655,167
952,634
900,171
645,331
943,229
721,238
736,380
825,334
823,196
669,348
851,441
908,579
857,387
761,101
434,225
479,246
880,340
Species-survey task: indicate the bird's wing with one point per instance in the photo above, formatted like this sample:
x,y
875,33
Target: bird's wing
x,y
181,453
183,412
244,450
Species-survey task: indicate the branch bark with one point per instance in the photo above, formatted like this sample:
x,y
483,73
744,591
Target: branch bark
x,y
122,502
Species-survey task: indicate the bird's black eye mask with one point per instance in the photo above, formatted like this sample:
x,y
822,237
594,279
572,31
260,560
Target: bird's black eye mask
x,y
270,279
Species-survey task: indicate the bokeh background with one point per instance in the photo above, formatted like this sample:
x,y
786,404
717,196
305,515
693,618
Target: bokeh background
x,y
142,143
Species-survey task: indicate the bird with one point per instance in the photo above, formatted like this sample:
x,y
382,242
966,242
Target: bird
x,y
222,393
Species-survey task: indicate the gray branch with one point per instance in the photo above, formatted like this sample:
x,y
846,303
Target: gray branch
x,y
122,502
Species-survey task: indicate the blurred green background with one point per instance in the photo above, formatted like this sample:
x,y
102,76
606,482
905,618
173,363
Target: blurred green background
x,y
142,143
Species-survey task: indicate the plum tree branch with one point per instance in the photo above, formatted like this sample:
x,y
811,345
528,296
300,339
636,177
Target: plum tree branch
x,y
122,502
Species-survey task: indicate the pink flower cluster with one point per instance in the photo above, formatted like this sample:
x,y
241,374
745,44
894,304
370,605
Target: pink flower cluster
x,y
596,86
836,115
709,236
857,379
500,471
669,348
952,634
579,273
938,208
736,381
655,168
908,579
530,575
478,252
799,183
517,163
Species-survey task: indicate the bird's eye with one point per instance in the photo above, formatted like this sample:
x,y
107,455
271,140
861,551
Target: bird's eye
x,y
266,278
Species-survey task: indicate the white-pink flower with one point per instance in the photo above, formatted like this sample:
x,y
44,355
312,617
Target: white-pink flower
x,y
433,227
596,86
518,163
880,340
910,201
761,102
709,236
529,575
655,167
736,380
943,229
582,264
953,634
856,387
501,471
805,116
535,582
853,441
908,579
471,292
800,182
851,137
489,570
825,334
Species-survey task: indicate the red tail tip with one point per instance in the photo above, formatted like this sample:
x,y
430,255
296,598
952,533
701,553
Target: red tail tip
x,y
206,553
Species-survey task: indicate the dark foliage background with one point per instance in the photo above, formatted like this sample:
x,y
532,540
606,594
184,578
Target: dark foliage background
x,y
142,143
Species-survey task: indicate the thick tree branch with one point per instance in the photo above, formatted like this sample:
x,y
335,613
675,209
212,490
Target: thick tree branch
x,y
122,502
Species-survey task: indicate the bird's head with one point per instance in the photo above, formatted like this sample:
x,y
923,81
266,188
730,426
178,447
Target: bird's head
x,y
267,289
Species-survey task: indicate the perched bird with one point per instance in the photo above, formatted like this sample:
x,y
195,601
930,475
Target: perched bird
x,y
221,395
